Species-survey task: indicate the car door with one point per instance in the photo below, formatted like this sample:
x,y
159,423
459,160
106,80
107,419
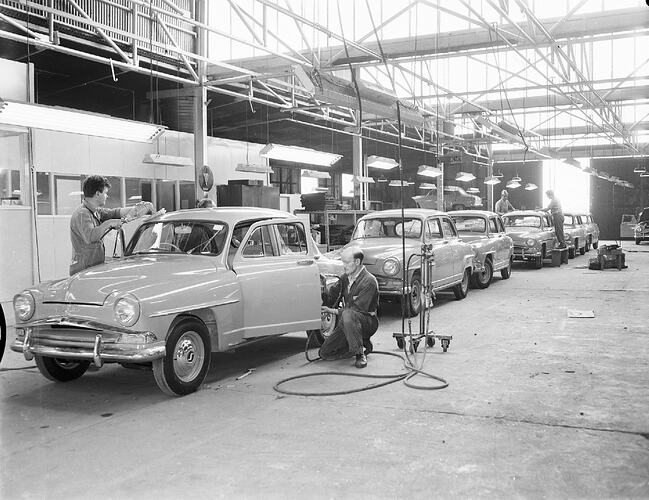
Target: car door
x,y
506,241
279,279
443,251
549,234
627,225
459,249
495,241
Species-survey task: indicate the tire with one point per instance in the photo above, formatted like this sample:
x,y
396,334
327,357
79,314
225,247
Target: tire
x,y
595,245
483,280
507,272
3,333
538,262
588,243
327,325
187,360
582,250
461,289
571,253
413,306
59,369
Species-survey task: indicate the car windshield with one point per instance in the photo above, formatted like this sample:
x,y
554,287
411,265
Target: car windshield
x,y
189,237
522,221
644,215
569,220
470,224
387,228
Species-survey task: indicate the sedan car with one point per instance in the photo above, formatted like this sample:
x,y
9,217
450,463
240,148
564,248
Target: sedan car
x,y
190,283
532,233
379,235
575,234
485,232
641,231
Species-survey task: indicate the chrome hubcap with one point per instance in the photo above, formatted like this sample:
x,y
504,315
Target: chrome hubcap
x,y
414,295
66,364
327,324
188,356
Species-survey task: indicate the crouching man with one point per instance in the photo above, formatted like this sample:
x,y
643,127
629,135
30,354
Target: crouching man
x,y
357,320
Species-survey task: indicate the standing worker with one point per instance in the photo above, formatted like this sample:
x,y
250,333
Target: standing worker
x,y
554,207
502,205
357,320
91,221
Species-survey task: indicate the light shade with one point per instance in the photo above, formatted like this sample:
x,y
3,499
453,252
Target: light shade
x,y
429,171
249,167
299,155
646,174
76,122
513,184
381,179
398,183
572,162
427,185
530,186
639,170
473,190
492,180
363,179
181,161
516,178
316,174
381,162
464,176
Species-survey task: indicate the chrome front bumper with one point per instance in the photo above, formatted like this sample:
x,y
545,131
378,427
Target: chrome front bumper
x,y
525,253
391,286
75,340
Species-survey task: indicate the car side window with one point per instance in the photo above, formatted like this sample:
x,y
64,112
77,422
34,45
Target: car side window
x,y
493,225
449,229
433,229
501,225
292,239
258,243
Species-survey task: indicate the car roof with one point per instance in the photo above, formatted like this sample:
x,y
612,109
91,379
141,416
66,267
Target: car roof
x,y
408,212
537,213
483,213
229,215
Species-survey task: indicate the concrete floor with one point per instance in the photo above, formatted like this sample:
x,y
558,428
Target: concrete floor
x,y
539,405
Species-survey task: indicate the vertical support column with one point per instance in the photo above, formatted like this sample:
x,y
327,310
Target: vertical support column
x,y
440,188
490,172
358,169
200,98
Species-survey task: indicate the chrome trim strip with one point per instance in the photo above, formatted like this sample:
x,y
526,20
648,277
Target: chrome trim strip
x,y
177,310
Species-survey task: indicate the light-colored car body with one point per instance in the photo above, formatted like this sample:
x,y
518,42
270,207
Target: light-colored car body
x,y
377,234
641,230
455,198
592,231
627,226
485,232
575,234
533,235
257,274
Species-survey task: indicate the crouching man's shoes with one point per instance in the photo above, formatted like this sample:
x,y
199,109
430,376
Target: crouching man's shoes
x,y
361,361
368,346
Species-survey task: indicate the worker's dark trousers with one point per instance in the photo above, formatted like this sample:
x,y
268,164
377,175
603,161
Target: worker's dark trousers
x,y
352,331
558,228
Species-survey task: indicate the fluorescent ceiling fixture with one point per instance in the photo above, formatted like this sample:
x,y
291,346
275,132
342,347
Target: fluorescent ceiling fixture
x,y
316,174
464,177
572,162
361,178
381,179
398,183
134,198
640,170
603,175
473,190
428,171
492,180
322,189
452,188
481,163
257,169
380,162
646,174
299,155
427,185
516,178
181,161
530,186
513,184
76,122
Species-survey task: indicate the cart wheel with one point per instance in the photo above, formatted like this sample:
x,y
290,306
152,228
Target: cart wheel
x,y
413,346
445,343
399,343
430,341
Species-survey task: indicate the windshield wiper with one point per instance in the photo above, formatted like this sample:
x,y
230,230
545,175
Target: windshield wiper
x,y
202,244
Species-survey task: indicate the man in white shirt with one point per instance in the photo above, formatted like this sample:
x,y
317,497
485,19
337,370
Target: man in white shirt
x,y
502,205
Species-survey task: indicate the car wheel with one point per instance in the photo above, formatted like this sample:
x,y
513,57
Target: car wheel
x,y
483,280
538,262
327,324
3,333
587,247
571,253
595,245
582,250
461,289
59,369
414,297
186,361
637,242
507,272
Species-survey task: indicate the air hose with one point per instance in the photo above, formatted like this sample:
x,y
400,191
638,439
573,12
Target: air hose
x,y
408,364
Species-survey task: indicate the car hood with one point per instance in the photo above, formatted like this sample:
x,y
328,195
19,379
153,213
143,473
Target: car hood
x,y
139,275
522,233
472,238
376,249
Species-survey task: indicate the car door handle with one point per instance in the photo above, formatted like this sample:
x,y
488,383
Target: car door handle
x,y
305,262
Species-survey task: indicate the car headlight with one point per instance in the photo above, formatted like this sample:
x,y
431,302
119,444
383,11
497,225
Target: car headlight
x,y
391,266
531,242
24,306
127,310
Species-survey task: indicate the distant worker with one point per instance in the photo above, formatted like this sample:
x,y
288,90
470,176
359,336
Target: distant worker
x,y
503,205
91,221
554,207
357,320
205,203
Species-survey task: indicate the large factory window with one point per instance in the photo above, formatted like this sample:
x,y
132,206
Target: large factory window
x,y
187,195
13,148
114,199
137,190
68,193
165,194
43,195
